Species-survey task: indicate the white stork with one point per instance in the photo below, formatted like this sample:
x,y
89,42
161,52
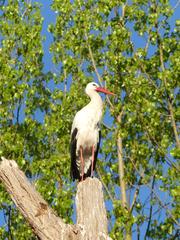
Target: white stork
x,y
85,134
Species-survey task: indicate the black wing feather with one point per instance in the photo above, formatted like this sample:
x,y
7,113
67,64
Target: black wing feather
x,y
97,150
74,170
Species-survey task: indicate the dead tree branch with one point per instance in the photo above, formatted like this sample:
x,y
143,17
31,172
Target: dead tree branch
x,y
91,214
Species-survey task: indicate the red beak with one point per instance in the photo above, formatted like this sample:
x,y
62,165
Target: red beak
x,y
103,90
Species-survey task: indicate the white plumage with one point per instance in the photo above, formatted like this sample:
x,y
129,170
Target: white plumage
x,y
85,134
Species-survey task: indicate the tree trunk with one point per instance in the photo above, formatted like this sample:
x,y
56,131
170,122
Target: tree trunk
x,y
90,205
91,214
124,202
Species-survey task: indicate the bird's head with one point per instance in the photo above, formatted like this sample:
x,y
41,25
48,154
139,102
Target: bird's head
x,y
92,86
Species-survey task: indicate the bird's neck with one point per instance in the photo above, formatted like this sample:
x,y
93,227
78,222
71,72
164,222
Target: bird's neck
x,y
96,101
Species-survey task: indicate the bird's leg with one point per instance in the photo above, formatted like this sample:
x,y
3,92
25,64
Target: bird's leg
x,y
92,164
82,163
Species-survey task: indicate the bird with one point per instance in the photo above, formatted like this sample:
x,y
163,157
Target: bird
x,y
86,134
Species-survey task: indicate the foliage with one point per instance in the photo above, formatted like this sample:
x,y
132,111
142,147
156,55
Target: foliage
x,y
133,48
24,96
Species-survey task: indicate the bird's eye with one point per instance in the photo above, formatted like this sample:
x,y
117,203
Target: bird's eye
x,y
94,84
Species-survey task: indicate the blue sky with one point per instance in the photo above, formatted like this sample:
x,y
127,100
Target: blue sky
x,y
49,18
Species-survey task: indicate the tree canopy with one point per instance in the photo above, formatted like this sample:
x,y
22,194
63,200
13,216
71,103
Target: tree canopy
x,y
133,48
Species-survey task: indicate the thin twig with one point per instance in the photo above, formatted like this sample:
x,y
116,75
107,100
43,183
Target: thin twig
x,y
106,126
155,194
92,60
170,107
95,68
155,143
169,101
176,5
148,42
104,185
144,71
65,82
18,110
135,195
174,124
151,209
134,198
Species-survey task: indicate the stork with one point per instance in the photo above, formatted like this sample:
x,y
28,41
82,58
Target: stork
x,y
86,134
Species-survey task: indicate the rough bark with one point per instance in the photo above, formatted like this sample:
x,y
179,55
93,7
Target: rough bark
x,y
43,220
90,206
